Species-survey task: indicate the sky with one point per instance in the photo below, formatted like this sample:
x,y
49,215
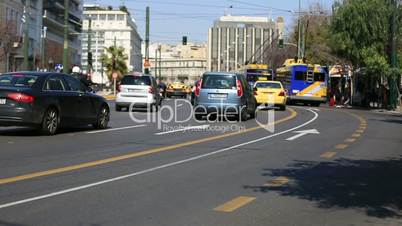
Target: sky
x,y
172,19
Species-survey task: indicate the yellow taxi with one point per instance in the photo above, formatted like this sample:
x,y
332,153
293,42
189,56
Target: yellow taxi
x,y
270,93
177,89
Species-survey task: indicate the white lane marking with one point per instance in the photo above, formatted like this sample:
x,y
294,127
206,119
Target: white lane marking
x,y
302,133
184,129
114,129
179,105
53,194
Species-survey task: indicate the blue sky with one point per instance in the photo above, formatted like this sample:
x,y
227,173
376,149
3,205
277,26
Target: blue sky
x,y
171,19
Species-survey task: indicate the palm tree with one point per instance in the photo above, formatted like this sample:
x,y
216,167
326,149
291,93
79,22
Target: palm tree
x,y
114,60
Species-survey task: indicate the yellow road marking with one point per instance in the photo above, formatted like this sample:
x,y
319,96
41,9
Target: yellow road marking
x,y
234,204
360,131
356,135
362,127
350,140
328,154
341,146
277,182
136,154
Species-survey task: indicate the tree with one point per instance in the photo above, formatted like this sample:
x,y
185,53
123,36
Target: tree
x,y
317,23
358,25
115,61
8,36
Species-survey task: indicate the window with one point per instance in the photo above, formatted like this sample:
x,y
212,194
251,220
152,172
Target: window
x,y
102,16
120,17
219,82
18,80
54,84
111,17
94,17
300,75
74,84
268,85
136,80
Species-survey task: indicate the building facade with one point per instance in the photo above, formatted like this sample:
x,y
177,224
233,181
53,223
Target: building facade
x,y
179,62
234,41
53,32
12,29
109,27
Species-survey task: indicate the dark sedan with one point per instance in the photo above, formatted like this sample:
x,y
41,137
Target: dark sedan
x,y
48,101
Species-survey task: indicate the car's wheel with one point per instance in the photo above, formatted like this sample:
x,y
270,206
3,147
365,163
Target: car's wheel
x,y
253,113
242,116
282,107
103,118
50,122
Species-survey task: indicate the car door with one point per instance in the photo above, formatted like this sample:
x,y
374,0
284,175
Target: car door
x,y
82,105
55,89
248,94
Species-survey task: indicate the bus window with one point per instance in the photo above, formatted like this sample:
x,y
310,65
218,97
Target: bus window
x,y
300,75
319,77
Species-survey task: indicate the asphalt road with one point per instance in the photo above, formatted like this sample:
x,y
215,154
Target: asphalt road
x,y
344,171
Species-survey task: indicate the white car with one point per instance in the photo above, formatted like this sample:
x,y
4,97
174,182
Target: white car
x,y
141,91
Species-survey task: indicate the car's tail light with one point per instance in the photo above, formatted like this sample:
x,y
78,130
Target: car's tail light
x,y
239,89
198,88
119,88
20,97
151,90
282,93
255,93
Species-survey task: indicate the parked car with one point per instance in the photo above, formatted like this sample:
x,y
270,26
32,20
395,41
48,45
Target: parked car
x,y
48,101
270,93
140,90
224,93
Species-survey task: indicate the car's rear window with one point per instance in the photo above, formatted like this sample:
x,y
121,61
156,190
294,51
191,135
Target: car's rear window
x,y
271,85
219,82
136,80
18,80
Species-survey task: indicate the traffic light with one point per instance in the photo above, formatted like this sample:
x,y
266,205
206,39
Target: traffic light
x,y
281,44
184,42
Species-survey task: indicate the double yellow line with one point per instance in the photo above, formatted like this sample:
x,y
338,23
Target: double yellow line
x,y
135,155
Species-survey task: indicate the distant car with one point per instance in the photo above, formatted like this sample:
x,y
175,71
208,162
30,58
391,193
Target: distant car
x,y
270,93
177,89
139,90
224,93
48,101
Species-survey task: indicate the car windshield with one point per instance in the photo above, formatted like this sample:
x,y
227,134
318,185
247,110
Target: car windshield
x,y
271,85
18,80
136,80
219,82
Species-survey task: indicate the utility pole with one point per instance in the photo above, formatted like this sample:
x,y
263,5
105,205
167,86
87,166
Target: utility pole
x,y
42,55
89,54
66,66
26,35
146,63
299,33
160,61
393,86
156,62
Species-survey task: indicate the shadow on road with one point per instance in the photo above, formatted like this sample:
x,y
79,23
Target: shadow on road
x,y
5,223
373,186
32,132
